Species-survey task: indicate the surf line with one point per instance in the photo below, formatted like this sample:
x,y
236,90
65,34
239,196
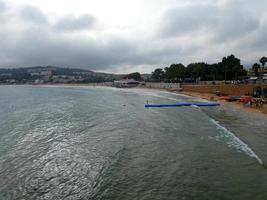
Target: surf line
x,y
237,143
180,104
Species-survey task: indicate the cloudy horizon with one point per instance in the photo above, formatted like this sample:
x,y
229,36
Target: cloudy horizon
x,y
123,36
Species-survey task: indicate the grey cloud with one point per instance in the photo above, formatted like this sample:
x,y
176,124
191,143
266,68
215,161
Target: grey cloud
x,y
65,44
33,14
224,23
183,20
260,41
73,23
236,23
2,6
42,48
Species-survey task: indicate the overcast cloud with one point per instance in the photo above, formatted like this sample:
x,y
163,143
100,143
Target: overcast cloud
x,y
73,23
130,35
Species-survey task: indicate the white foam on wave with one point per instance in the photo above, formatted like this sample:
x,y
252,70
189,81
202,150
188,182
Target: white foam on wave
x,y
175,99
152,93
159,94
162,94
163,97
234,141
195,106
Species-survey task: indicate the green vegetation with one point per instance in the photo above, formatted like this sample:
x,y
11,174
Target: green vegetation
x,y
229,68
263,60
136,76
256,68
158,75
51,74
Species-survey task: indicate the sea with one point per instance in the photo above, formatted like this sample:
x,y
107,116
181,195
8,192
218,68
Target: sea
x,y
72,143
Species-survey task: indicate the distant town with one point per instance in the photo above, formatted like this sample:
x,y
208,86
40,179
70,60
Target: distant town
x,y
55,75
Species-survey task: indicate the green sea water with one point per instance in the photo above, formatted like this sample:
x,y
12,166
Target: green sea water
x,y
101,143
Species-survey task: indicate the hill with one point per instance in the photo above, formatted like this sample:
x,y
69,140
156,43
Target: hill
x,y
52,74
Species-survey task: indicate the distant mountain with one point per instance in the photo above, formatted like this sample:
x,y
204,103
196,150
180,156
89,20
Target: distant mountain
x,y
53,74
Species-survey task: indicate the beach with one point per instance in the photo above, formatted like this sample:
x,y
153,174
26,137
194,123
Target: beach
x,y
249,109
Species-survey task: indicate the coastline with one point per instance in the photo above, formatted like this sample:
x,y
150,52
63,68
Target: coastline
x,y
209,96
206,96
241,106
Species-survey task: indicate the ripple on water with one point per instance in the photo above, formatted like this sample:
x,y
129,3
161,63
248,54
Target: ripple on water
x,y
82,144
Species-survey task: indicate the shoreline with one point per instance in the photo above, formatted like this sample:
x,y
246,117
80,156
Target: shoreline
x,y
206,96
241,106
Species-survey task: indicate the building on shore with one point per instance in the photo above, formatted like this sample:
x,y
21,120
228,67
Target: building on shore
x,y
257,77
126,83
162,85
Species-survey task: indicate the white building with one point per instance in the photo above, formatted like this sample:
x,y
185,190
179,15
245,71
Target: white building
x,y
126,83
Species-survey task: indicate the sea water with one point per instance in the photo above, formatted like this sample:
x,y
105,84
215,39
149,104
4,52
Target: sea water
x,y
101,143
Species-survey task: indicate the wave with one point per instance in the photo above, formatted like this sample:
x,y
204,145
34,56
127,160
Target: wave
x,y
235,142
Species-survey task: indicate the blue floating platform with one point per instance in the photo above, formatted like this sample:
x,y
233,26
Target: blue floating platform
x,y
179,104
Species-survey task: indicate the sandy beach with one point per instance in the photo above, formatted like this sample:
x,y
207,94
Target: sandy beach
x,y
209,96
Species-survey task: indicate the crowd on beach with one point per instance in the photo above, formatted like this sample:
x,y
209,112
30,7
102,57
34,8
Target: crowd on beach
x,y
254,101
245,99
257,100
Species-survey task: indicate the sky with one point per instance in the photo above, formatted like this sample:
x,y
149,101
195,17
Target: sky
x,y
123,36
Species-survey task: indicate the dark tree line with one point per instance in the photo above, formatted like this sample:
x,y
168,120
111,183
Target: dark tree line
x,y
229,68
136,76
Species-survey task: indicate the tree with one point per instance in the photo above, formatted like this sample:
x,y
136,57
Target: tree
x,y
263,60
231,67
237,70
255,68
225,69
158,74
214,71
175,72
136,76
199,70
